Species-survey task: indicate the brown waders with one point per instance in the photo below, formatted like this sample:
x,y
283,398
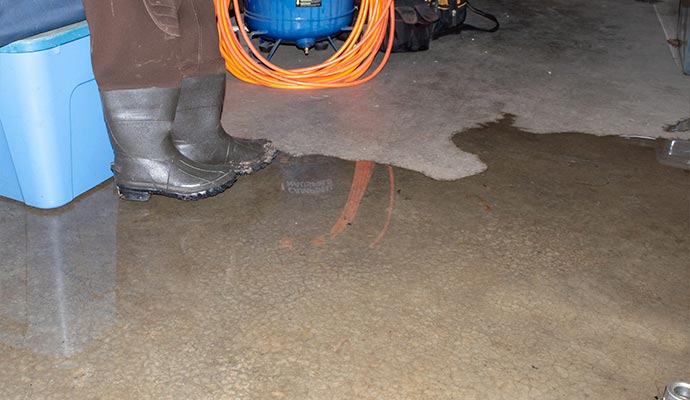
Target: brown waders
x,y
162,84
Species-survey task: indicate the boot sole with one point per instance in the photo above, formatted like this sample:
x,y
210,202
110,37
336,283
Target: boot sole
x,y
136,194
257,167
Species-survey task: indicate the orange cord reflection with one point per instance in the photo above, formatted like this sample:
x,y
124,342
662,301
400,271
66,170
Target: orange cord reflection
x,y
360,182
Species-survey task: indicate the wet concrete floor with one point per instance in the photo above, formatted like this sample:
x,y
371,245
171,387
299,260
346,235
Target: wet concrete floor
x,y
560,273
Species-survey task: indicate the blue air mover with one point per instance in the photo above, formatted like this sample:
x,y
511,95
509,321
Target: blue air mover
x,y
303,22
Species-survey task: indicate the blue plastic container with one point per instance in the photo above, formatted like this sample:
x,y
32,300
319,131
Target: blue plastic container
x,y
53,140
303,22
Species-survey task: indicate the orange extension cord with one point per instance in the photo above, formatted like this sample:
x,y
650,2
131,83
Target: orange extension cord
x,y
347,67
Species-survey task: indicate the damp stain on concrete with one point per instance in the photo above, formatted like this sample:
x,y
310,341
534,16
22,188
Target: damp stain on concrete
x,y
556,273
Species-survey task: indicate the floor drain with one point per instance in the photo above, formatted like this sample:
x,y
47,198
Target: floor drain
x,y
677,391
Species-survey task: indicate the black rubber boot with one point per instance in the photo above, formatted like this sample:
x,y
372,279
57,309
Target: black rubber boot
x,y
198,134
146,161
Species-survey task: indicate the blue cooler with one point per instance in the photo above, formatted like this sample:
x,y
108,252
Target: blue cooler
x,y
53,140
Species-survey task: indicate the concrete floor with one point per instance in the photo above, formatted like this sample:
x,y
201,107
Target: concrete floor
x,y
560,273
602,68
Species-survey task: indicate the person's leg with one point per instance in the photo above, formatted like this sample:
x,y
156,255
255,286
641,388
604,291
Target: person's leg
x,y
197,132
139,59
146,160
199,17
128,49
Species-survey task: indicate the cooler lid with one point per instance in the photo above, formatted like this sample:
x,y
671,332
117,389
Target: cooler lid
x,y
49,39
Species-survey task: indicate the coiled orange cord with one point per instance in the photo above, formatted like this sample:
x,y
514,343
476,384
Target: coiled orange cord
x,y
347,67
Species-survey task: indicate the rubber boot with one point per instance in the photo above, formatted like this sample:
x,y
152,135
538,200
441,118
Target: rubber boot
x,y
146,161
198,134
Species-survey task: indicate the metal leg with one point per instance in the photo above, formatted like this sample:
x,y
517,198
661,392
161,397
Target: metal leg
x,y
332,43
274,49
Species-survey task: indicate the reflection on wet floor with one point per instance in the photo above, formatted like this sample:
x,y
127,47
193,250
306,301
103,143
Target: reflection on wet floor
x,y
58,271
57,276
324,278
308,180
